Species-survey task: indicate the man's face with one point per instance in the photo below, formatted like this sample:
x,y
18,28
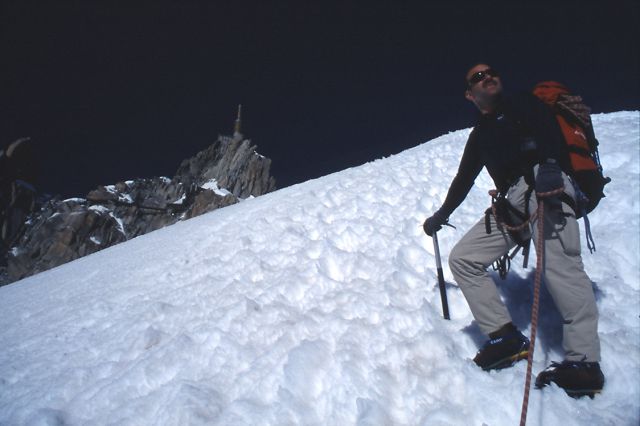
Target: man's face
x,y
484,85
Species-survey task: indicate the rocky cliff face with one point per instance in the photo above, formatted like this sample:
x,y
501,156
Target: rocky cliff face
x,y
225,173
233,163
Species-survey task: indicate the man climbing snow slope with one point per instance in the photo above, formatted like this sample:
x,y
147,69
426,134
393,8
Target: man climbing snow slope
x,y
518,140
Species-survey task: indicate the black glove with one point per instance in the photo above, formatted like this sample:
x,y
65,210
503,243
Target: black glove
x,y
549,177
434,223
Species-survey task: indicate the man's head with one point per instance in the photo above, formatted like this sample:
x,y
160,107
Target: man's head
x,y
484,87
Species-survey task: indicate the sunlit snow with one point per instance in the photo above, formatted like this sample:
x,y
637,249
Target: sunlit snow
x,y
316,304
213,186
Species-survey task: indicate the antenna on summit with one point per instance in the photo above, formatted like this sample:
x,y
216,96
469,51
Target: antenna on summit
x,y
237,126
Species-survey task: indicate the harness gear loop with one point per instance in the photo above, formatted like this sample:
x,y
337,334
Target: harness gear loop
x,y
500,208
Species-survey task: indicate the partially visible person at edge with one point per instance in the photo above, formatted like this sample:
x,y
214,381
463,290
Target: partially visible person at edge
x,y
520,143
18,174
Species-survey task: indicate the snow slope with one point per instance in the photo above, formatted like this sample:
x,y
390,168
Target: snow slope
x,y
315,304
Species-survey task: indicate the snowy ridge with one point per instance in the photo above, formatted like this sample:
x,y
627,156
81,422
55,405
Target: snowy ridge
x,y
314,304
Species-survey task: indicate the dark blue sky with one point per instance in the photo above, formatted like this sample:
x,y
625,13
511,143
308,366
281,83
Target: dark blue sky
x,y
114,92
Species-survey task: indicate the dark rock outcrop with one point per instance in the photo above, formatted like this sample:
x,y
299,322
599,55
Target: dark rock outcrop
x,y
225,173
233,163
61,232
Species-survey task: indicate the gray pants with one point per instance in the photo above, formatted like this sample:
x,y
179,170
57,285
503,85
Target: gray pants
x,y
564,274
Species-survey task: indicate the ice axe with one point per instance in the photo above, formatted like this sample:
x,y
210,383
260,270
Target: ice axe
x,y
441,284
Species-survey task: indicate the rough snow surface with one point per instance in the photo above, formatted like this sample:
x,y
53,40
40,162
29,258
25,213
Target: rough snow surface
x,y
316,304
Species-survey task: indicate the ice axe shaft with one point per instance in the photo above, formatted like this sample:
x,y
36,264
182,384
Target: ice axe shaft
x,y
443,290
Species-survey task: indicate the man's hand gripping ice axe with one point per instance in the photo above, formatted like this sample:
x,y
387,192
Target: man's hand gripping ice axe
x,y
431,227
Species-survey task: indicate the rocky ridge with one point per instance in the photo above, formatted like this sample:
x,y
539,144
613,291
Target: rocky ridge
x,y
225,173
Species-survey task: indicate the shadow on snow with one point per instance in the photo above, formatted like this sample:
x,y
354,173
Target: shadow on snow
x,y
517,294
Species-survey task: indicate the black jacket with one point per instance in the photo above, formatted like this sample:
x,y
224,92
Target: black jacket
x,y
521,132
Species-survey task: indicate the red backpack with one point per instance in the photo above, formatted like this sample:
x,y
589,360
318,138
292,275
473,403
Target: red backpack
x,y
575,122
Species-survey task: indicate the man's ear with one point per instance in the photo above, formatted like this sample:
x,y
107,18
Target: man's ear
x,y
469,95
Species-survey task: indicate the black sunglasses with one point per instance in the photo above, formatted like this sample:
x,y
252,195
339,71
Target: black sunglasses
x,y
477,77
